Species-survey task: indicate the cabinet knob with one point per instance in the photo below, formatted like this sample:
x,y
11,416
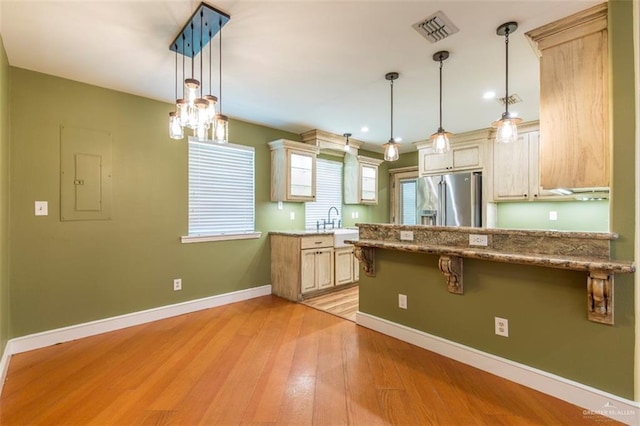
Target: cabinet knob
x,y
525,195
535,195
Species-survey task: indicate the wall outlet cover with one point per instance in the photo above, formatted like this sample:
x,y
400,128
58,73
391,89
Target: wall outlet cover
x,y
402,301
478,240
292,215
553,215
406,235
177,284
502,326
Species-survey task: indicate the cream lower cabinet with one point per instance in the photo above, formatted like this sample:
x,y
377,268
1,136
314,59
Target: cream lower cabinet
x,y
317,269
346,265
300,263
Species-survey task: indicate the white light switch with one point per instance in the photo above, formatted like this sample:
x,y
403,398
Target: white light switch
x,y
42,208
292,215
553,215
280,206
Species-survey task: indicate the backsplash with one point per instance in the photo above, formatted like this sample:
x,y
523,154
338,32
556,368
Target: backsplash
x,y
571,215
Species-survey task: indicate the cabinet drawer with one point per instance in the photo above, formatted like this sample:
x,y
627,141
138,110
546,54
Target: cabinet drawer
x,y
316,241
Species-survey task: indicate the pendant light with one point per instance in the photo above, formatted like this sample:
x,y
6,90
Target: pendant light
x,y
221,121
441,138
194,109
175,127
391,148
347,147
507,125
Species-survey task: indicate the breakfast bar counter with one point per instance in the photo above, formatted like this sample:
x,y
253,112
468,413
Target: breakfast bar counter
x,y
582,251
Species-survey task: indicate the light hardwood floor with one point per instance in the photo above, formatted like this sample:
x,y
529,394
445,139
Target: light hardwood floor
x,y
343,303
264,361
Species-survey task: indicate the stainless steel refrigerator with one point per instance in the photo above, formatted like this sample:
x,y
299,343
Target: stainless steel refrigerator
x,y
453,199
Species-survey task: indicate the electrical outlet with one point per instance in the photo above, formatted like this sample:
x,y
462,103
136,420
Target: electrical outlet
x,y
292,215
280,205
478,240
177,284
406,235
402,301
553,215
502,327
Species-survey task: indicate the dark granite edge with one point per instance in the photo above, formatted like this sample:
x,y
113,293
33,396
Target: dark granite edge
x,y
562,262
504,231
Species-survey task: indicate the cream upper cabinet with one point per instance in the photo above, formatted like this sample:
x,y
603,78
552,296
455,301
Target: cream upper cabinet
x,y
293,171
467,153
574,110
360,179
515,168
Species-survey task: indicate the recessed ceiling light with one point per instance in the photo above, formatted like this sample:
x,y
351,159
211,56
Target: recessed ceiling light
x,y
364,129
489,95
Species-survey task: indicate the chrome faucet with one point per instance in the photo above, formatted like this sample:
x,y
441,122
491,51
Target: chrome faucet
x,y
332,222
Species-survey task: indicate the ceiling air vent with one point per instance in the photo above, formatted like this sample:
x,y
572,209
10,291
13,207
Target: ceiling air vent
x,y
512,99
436,27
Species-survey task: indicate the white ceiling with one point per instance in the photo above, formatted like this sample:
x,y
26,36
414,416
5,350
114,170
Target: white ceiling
x,y
299,65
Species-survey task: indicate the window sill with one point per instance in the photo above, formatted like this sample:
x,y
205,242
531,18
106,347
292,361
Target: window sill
x,y
226,237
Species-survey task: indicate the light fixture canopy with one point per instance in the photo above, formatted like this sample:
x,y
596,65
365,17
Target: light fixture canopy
x,y
441,137
195,110
507,125
391,148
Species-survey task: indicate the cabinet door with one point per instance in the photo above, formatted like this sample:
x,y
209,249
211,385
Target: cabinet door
x,y
324,268
308,271
432,162
511,169
369,184
344,265
301,175
466,157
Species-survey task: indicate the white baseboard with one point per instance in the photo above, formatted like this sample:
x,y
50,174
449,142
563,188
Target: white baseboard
x,y
594,401
65,334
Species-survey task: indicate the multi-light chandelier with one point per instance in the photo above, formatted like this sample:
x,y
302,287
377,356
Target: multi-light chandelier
x,y
195,110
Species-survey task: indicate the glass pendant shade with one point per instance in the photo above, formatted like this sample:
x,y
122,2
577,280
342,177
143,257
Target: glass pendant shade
x,y
191,86
182,111
391,152
175,129
221,129
507,128
211,108
441,141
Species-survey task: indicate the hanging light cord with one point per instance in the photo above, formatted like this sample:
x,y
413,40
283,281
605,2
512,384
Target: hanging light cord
x,y
391,138
220,53
506,83
183,55
176,79
193,53
440,129
201,39
210,43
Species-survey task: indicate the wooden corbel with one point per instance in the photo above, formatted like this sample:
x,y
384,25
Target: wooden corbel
x,y
451,267
600,297
367,258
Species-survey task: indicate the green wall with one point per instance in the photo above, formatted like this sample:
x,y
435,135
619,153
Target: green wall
x,y
65,273
546,308
592,216
4,196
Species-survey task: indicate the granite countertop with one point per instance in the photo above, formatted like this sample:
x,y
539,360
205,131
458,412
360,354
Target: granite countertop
x,y
546,260
308,232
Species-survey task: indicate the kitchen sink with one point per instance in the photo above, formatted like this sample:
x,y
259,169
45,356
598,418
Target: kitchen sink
x,y
340,235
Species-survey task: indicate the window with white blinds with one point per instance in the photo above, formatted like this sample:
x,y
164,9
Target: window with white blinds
x,y
328,194
221,189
